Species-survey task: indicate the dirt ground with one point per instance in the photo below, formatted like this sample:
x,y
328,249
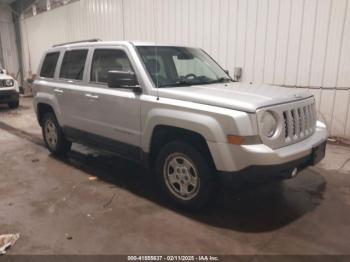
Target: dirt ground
x,y
59,207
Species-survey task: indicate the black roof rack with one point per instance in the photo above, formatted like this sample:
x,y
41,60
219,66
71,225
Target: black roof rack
x,y
81,41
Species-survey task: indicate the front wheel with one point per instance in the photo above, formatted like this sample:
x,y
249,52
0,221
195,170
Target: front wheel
x,y
53,135
185,175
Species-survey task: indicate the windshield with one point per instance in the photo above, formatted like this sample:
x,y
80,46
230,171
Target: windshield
x,y
181,66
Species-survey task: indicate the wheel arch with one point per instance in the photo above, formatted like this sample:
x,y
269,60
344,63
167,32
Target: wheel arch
x,y
46,101
163,134
42,109
205,125
182,125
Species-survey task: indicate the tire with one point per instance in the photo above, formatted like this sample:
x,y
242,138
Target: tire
x,y
13,105
55,141
187,178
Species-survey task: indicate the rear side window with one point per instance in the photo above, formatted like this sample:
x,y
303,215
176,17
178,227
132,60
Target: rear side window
x,y
105,60
73,64
49,65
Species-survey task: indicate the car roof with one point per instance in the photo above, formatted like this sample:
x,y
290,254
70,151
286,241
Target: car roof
x,y
95,42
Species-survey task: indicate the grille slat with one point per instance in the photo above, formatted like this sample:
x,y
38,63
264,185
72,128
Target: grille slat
x,y
309,117
307,121
299,122
304,120
290,123
296,123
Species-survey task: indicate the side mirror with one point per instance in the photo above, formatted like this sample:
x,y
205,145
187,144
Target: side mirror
x,y
123,79
237,74
227,72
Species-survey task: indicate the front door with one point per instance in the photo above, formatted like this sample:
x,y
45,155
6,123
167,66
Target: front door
x,y
112,115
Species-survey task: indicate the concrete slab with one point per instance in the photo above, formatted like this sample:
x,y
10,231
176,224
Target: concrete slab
x,y
337,157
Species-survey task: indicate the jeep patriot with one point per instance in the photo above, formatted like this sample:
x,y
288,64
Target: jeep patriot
x,y
174,110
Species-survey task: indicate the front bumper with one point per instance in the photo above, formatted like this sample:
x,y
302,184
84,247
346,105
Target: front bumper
x,y
243,159
271,172
8,96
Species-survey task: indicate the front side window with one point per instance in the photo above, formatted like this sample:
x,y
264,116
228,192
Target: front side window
x,y
171,66
49,65
73,64
105,60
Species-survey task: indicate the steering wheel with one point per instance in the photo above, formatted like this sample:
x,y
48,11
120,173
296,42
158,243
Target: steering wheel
x,y
190,75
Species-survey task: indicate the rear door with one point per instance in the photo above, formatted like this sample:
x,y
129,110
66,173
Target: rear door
x,y
69,89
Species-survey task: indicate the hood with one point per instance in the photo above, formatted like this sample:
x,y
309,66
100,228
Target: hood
x,y
5,77
238,96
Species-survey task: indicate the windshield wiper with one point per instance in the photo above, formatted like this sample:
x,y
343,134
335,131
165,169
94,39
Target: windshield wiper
x,y
178,83
186,83
221,80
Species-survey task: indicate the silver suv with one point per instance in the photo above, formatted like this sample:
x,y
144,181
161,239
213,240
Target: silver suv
x,y
175,110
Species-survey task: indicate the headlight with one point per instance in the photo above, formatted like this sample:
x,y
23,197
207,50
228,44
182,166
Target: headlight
x,y
268,124
8,82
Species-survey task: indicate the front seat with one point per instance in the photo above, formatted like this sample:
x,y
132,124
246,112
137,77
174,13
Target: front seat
x,y
105,65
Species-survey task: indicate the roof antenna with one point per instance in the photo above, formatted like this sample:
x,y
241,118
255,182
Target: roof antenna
x,y
156,46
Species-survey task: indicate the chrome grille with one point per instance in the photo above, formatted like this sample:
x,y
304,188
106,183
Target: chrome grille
x,y
297,121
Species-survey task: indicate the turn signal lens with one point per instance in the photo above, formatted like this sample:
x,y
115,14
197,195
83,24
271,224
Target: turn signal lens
x,y
236,140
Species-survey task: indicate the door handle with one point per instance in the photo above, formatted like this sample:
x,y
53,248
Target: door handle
x,y
60,91
91,96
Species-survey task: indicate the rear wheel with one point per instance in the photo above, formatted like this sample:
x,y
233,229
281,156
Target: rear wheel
x,y
185,175
53,135
13,104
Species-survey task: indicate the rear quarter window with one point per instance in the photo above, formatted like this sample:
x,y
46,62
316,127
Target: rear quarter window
x,y
73,64
49,65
